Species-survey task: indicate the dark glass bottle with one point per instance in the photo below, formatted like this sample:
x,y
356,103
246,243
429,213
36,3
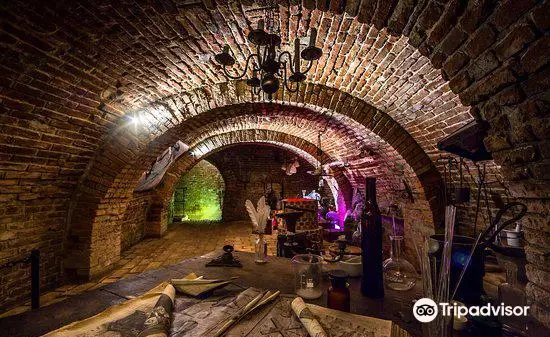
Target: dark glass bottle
x,y
338,292
372,284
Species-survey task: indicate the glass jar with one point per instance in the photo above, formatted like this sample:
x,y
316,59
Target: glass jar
x,y
399,274
260,249
338,292
308,275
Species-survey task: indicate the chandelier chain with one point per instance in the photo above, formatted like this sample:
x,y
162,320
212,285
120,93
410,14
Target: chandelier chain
x,y
269,64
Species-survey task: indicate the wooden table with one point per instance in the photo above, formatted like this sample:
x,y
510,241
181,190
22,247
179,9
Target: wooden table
x,y
277,274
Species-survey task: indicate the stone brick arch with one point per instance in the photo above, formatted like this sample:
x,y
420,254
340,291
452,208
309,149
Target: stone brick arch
x,y
304,146
318,97
208,132
339,184
417,212
341,142
112,208
243,118
347,109
102,171
492,54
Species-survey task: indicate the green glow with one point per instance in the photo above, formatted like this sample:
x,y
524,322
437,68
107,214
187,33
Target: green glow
x,y
208,212
199,193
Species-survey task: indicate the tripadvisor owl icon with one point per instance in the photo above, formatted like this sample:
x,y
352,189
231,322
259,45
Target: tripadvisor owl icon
x,y
425,310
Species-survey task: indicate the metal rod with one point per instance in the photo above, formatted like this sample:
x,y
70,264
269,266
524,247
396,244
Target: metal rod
x,y
486,197
460,170
35,279
463,272
480,181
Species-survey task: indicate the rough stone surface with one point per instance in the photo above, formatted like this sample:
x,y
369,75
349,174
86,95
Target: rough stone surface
x,y
74,72
249,169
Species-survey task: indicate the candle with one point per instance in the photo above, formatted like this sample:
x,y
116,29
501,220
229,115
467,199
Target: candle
x,y
296,55
313,37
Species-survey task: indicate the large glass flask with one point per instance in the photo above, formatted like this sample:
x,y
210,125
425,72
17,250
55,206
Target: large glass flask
x,y
308,275
399,274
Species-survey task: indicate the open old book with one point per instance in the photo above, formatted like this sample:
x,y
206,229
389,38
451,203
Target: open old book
x,y
191,317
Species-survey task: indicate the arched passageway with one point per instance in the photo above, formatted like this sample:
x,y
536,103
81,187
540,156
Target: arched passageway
x,y
395,77
198,195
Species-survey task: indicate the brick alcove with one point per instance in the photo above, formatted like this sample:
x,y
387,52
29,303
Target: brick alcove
x,y
206,135
199,194
249,168
65,96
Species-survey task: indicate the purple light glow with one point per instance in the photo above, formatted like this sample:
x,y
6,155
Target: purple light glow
x,y
342,210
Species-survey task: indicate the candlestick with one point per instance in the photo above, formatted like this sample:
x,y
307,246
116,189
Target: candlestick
x,y
296,55
313,37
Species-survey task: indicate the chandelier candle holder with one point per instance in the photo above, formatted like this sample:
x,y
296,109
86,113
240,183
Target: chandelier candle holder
x,y
270,65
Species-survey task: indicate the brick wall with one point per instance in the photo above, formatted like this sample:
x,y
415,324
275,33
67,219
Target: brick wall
x,y
134,222
248,169
409,73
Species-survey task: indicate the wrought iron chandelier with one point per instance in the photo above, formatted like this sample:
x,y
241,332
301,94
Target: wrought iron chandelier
x,y
269,64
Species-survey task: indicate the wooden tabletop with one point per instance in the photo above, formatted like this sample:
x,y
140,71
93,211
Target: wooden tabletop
x,y
277,274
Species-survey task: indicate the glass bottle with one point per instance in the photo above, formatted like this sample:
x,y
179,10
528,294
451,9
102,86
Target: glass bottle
x,y
399,274
268,226
338,293
260,250
372,284
308,275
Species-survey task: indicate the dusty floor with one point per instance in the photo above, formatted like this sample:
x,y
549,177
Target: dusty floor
x,y
181,241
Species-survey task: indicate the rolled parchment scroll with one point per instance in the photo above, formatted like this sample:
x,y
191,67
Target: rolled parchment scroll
x,y
307,318
158,322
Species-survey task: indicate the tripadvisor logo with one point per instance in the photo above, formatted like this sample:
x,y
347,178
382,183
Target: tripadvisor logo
x,y
425,310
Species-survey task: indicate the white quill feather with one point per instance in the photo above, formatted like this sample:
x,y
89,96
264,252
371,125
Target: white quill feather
x,y
258,215
261,204
252,213
263,214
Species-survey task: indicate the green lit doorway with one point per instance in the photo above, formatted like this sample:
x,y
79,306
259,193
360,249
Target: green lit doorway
x,y
198,195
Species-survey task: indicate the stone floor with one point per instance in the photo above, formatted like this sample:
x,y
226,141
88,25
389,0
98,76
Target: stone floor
x,y
181,241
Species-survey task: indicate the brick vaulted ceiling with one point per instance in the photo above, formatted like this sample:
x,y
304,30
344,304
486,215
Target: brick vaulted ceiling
x,y
73,72
140,53
345,140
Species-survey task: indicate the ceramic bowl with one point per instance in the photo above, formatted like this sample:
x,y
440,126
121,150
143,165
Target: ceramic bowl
x,y
352,265
349,263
